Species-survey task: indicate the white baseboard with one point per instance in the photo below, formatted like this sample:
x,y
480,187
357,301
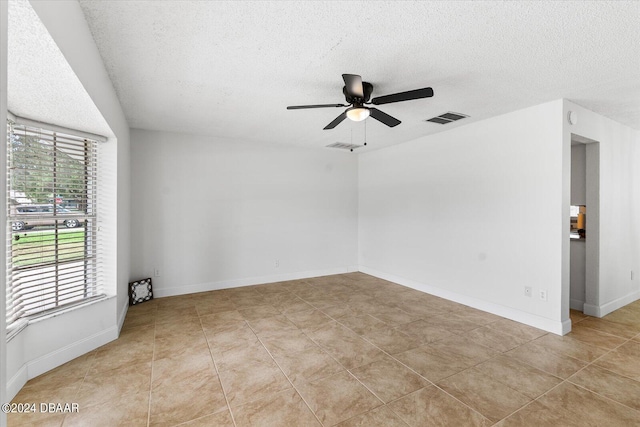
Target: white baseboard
x,y
225,284
123,315
52,360
17,382
591,310
604,309
575,304
556,327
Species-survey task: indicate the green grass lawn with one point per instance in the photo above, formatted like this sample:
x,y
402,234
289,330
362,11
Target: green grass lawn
x,y
39,247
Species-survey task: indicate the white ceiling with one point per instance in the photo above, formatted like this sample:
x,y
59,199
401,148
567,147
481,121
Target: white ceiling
x,y
40,83
229,69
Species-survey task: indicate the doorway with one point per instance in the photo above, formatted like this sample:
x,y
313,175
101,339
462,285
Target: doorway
x,y
585,231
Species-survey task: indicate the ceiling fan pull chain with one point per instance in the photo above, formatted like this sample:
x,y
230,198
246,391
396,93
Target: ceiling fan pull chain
x,y
365,133
351,139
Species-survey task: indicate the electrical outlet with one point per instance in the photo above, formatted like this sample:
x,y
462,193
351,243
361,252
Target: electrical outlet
x,y
528,291
156,272
277,263
543,294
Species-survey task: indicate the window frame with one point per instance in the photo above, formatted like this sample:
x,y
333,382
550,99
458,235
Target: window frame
x,y
82,282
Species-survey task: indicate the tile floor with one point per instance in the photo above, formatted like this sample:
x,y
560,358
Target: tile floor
x,y
347,350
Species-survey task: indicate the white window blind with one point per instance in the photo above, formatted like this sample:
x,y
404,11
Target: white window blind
x,y
52,216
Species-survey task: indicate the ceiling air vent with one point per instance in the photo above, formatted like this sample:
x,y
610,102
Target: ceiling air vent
x,y
344,146
445,118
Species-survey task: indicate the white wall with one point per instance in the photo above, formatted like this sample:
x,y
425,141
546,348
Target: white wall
x,y
473,214
211,213
49,342
618,208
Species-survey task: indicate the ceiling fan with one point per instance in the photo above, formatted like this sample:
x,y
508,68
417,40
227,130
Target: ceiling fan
x,y
357,94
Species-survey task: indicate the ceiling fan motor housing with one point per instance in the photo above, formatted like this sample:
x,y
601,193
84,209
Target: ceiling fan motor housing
x,y
367,90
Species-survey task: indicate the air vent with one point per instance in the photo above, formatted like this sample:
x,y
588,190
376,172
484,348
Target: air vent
x,y
445,118
344,146
439,120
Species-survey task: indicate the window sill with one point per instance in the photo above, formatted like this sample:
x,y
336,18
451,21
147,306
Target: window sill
x,y
23,323
16,329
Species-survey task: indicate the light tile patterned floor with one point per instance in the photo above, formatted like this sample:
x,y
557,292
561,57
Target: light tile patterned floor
x,y
347,350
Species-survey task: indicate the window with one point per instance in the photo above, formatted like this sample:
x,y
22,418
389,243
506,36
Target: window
x,y
52,221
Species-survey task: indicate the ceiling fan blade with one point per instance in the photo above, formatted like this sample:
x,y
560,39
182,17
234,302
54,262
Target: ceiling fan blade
x,y
384,117
426,92
353,83
301,107
336,121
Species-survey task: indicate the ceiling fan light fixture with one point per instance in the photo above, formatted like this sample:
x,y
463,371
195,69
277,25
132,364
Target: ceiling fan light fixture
x,y
357,114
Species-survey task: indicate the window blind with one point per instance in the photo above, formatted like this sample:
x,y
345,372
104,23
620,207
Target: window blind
x,y
53,245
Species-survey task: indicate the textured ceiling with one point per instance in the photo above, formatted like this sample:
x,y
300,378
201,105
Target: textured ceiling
x,y
229,69
40,83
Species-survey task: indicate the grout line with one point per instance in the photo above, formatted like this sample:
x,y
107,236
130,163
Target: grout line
x,y
153,355
499,353
555,353
84,377
215,366
593,362
378,407
567,380
606,333
528,342
602,396
564,380
561,411
406,366
365,386
612,371
535,400
285,375
518,336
